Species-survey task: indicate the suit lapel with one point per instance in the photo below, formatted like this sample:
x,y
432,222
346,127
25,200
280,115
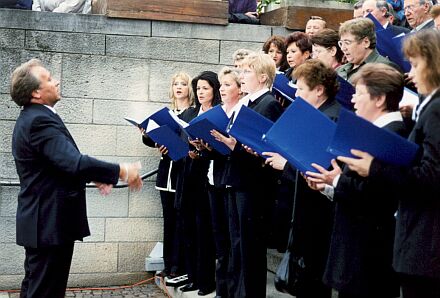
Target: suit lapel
x,y
58,119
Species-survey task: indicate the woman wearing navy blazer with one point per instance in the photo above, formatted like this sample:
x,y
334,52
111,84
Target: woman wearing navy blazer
x,y
360,258
192,195
417,242
182,97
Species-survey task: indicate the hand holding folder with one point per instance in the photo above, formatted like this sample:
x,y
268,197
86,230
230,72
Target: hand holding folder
x,y
353,132
249,128
165,128
301,135
164,135
201,126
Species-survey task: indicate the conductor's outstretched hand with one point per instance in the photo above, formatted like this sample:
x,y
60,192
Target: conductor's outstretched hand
x,y
129,172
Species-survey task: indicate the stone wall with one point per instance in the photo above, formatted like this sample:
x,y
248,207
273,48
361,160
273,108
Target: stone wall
x,y
109,68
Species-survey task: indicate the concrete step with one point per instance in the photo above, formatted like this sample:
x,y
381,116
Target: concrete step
x,y
271,292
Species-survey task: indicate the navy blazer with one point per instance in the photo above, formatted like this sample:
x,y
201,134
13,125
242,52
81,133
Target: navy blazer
x,y
53,174
360,255
417,240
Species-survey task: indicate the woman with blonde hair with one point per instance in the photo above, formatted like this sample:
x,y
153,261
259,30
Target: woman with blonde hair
x,y
182,97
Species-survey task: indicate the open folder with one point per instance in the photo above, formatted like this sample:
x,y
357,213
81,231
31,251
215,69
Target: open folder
x,y
249,127
353,132
164,135
301,135
389,45
284,87
201,126
345,93
162,117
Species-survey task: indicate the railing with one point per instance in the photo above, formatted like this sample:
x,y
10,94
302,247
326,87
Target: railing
x,y
90,185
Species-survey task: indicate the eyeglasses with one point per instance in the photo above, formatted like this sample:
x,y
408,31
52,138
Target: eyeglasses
x,y
346,42
410,7
316,18
316,53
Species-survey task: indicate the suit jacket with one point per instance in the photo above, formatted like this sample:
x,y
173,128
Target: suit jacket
x,y
428,25
243,170
312,225
192,179
417,240
53,174
167,169
398,29
360,256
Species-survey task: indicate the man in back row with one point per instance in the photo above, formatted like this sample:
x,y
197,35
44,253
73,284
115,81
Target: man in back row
x,y
51,211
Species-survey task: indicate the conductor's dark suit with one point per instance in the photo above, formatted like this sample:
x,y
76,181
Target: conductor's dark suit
x,y
51,212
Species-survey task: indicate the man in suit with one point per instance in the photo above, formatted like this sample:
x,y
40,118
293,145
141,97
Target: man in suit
x,y
380,11
417,14
51,211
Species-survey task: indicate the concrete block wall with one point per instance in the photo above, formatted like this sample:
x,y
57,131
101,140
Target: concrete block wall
x,y
109,68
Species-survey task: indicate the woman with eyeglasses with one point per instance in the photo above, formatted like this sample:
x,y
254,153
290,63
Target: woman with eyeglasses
x,y
358,42
359,264
325,48
417,238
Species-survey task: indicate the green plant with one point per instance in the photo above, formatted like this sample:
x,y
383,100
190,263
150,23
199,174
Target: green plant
x,y
263,3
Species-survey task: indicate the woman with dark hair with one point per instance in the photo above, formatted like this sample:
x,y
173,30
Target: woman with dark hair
x,y
417,243
311,230
325,48
299,50
363,231
275,46
192,195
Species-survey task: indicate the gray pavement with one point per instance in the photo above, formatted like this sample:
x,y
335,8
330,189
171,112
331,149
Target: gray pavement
x,y
145,290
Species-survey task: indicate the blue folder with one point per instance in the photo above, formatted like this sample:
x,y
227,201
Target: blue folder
x,y
201,130
353,132
282,86
249,128
389,46
302,135
164,135
345,93
163,117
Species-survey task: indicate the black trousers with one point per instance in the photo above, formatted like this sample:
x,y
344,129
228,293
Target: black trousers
x,y
46,271
172,239
419,286
219,217
198,241
249,263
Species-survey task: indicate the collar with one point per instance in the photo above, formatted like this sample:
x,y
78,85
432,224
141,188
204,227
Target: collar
x,y
420,27
235,109
388,118
386,25
51,108
424,103
252,97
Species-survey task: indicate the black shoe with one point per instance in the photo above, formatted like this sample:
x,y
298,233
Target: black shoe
x,y
204,292
189,287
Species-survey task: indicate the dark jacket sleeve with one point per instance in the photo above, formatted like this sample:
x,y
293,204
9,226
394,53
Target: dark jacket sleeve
x,y
424,175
